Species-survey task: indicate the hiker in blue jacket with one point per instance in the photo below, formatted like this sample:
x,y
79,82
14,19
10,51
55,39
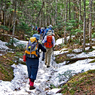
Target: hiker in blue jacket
x,y
33,63
49,28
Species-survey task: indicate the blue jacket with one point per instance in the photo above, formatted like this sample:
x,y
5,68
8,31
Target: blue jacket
x,y
47,31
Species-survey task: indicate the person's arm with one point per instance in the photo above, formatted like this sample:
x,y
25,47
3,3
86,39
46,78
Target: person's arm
x,y
42,47
53,41
41,31
44,40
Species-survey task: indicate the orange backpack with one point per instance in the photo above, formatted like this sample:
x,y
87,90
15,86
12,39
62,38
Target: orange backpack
x,y
48,43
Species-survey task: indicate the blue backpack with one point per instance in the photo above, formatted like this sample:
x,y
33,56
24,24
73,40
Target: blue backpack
x,y
45,33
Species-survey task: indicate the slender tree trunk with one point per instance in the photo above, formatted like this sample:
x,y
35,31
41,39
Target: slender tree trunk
x,y
5,13
56,12
70,17
69,11
45,15
74,9
40,21
0,10
14,19
39,12
84,24
94,12
79,13
90,23
66,10
14,22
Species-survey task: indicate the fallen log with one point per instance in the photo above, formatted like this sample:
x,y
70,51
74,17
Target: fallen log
x,y
68,61
2,34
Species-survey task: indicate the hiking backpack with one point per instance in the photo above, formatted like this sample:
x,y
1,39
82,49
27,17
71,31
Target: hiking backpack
x,y
48,43
32,48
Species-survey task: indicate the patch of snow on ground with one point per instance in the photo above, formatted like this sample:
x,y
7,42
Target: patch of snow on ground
x,y
3,46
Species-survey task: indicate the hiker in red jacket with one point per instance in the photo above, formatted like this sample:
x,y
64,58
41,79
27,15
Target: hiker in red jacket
x,y
49,43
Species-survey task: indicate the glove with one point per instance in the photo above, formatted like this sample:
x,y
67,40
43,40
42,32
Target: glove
x,y
24,58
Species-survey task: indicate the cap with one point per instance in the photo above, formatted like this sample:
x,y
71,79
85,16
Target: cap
x,y
50,26
37,36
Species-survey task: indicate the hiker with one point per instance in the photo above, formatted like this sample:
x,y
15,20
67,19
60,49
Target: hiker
x,y
49,28
45,33
32,58
41,33
43,54
39,30
49,43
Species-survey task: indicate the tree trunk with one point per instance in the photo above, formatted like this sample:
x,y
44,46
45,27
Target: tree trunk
x,y
79,14
14,22
14,19
5,13
84,24
70,18
56,12
39,12
69,11
66,10
90,23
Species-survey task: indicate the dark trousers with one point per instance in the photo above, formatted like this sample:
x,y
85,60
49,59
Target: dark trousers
x,y
32,67
43,54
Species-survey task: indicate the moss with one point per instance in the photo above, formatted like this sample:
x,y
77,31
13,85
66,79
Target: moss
x,y
65,88
82,79
79,82
19,54
52,86
91,71
7,72
70,50
82,74
92,61
72,92
6,61
89,82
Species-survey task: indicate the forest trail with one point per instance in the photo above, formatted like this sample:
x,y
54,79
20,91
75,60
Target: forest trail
x,y
20,83
42,82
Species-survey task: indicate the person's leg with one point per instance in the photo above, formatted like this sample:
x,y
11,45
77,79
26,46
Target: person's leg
x,y
49,56
31,82
46,56
43,54
34,68
28,61
34,63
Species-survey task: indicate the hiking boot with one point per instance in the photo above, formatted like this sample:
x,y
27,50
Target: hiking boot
x,y
32,87
48,66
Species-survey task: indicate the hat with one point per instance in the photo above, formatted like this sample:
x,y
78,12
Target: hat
x,y
37,36
50,26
